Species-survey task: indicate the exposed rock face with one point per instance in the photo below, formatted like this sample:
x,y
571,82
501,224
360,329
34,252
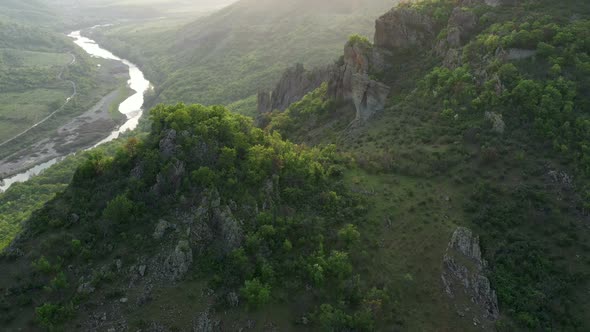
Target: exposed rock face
x,y
461,26
295,83
352,82
495,119
403,28
168,144
264,102
462,23
464,280
204,323
178,262
161,229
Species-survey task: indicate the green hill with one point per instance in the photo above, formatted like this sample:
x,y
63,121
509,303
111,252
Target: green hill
x,y
458,202
231,54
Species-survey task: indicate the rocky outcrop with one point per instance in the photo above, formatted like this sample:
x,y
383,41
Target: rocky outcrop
x,y
295,83
352,82
496,121
464,280
403,28
179,261
461,25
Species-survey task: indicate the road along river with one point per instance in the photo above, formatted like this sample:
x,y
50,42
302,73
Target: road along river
x,y
131,107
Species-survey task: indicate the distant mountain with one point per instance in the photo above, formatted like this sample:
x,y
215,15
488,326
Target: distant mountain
x,y
233,53
27,12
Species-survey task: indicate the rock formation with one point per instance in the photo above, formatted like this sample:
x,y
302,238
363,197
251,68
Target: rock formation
x,y
403,28
464,280
497,122
295,83
352,82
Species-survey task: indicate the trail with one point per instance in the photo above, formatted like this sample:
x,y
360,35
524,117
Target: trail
x,y
75,92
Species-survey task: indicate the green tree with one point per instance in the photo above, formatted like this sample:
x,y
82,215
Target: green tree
x,y
256,293
349,235
120,210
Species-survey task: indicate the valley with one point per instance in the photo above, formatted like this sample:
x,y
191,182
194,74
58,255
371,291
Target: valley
x,y
341,165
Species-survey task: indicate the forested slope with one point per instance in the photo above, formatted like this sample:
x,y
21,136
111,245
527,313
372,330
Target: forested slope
x,y
436,180
231,54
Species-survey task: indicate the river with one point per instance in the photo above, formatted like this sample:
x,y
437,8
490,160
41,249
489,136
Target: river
x,y
131,107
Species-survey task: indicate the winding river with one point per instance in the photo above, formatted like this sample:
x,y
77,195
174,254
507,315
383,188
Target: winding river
x,y
131,107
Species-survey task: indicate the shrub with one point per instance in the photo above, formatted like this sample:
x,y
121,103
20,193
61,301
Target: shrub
x,y
120,210
256,293
51,316
42,265
349,235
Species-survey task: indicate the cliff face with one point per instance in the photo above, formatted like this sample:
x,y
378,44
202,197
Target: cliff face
x,y
352,82
295,83
348,81
403,28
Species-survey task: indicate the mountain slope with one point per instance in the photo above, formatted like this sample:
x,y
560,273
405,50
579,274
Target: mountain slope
x,y
210,223
231,54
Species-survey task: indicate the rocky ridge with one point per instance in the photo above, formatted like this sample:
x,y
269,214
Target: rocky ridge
x,y
464,280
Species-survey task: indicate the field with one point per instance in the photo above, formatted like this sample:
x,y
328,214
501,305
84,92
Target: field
x,y
22,107
21,110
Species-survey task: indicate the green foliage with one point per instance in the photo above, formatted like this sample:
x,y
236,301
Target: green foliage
x,y
120,210
256,293
245,57
52,316
527,281
359,40
349,235
42,265
58,283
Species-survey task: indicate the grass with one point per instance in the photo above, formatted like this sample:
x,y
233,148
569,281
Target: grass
x,y
19,111
32,58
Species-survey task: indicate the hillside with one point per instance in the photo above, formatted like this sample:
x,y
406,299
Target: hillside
x,y
229,55
28,12
433,177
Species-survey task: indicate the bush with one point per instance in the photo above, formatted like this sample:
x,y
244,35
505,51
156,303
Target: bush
x,y
349,235
120,210
42,265
51,316
256,293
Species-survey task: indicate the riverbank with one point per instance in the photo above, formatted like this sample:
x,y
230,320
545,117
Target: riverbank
x,y
78,134
116,112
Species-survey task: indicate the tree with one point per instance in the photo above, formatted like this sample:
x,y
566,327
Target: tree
x,y
51,316
349,235
256,293
120,210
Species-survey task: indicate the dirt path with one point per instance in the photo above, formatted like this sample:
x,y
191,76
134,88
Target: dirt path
x,y
74,93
